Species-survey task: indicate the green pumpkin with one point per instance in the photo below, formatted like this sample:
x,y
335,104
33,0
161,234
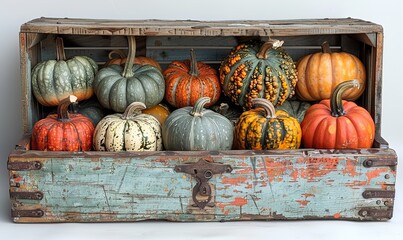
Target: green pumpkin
x,y
89,108
196,128
258,70
295,108
54,80
117,87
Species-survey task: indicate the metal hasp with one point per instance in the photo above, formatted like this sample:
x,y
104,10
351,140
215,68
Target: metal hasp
x,y
203,171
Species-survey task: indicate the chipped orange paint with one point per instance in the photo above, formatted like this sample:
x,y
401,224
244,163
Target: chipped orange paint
x,y
302,203
222,207
350,168
249,186
233,181
247,170
276,169
306,195
239,202
337,216
375,173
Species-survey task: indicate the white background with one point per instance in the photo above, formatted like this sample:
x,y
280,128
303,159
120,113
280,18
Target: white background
x,y
387,13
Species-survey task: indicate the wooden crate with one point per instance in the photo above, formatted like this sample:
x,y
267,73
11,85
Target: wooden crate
x,y
243,185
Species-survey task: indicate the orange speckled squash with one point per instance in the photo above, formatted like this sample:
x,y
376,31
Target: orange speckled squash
x,y
187,81
160,112
320,73
122,58
258,70
264,128
63,131
337,124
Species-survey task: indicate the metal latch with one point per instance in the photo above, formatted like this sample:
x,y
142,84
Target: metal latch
x,y
378,194
27,213
203,171
24,166
380,162
27,195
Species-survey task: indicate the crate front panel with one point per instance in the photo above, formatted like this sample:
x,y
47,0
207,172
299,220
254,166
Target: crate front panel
x,y
262,185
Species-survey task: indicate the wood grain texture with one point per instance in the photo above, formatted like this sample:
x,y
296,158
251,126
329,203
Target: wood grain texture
x,y
264,185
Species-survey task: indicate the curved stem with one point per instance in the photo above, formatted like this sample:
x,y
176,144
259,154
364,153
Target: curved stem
x,y
62,108
133,109
264,49
118,52
194,71
336,103
326,47
198,107
270,111
60,54
128,71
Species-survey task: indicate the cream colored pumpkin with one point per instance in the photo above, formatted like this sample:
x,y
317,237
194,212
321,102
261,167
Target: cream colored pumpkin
x,y
130,131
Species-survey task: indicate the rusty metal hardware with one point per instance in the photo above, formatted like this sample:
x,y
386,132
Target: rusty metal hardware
x,y
27,195
24,166
378,194
27,213
203,171
379,162
375,213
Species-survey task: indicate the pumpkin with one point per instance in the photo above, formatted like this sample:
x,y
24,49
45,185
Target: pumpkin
x,y
130,131
117,87
320,73
187,81
89,108
160,112
54,80
295,108
122,58
265,128
228,111
258,70
63,131
336,124
197,128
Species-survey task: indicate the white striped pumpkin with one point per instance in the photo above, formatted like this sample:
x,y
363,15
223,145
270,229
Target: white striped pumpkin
x,y
130,131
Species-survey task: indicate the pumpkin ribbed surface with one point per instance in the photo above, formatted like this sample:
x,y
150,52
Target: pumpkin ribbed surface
x,y
255,130
130,131
256,70
295,108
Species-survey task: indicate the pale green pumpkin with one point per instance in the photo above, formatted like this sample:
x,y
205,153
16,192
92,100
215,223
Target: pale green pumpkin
x,y
54,80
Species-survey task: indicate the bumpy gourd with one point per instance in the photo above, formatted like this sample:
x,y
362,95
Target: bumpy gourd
x,y
264,128
258,70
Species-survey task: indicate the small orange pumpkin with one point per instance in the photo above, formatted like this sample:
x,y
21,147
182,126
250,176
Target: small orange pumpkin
x,y
187,81
122,58
320,73
336,124
160,112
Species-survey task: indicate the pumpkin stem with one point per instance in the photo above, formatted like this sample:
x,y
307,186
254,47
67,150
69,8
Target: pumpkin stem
x,y
118,52
264,49
128,70
62,108
223,108
60,54
198,107
270,111
336,103
133,109
326,47
194,71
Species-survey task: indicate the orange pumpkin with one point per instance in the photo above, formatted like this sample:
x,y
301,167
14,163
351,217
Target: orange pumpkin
x,y
337,124
63,131
187,81
160,112
121,59
320,73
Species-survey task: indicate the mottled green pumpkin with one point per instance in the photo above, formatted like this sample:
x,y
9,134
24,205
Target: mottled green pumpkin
x,y
54,80
117,87
295,108
196,128
89,108
258,70
130,131
264,128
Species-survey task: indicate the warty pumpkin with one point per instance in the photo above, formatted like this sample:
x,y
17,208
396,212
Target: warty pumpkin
x,y
321,72
54,80
265,128
196,128
117,87
118,57
63,131
336,124
130,131
258,70
187,81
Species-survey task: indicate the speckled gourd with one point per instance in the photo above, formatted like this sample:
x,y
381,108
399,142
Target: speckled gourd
x,y
54,80
130,131
258,70
265,128
117,87
196,128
